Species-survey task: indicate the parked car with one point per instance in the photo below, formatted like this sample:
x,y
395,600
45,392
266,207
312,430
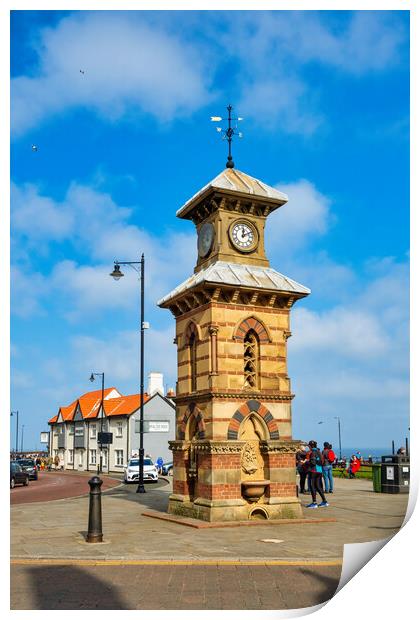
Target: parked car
x,y
168,469
131,472
17,475
30,467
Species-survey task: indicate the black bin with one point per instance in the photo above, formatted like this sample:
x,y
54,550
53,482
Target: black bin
x,y
395,474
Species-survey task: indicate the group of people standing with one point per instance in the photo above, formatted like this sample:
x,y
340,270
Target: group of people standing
x,y
315,466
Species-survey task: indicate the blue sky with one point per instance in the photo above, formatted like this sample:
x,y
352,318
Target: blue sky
x,y
325,97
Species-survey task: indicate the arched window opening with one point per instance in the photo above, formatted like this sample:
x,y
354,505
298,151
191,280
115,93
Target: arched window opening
x,y
192,346
251,360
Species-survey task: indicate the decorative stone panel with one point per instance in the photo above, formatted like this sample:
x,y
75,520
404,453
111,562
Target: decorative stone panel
x,y
251,323
192,410
252,406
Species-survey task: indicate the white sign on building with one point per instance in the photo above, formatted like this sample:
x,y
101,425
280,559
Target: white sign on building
x,y
156,426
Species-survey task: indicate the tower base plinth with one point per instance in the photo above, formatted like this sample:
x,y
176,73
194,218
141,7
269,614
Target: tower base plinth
x,y
234,509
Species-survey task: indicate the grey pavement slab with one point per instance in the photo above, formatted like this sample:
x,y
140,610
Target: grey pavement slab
x,y
56,529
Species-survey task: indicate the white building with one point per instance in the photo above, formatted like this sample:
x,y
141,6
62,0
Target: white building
x,y
74,430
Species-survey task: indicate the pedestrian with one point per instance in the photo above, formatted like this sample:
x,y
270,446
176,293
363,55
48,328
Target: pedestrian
x,y
56,461
302,468
159,465
327,474
354,466
315,475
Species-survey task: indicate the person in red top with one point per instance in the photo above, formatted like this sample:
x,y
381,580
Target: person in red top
x,y
354,466
328,460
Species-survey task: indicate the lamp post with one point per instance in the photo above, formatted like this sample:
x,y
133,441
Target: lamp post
x,y
92,379
339,433
16,413
117,274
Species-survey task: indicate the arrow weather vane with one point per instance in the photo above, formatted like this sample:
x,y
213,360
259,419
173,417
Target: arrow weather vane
x,y
229,132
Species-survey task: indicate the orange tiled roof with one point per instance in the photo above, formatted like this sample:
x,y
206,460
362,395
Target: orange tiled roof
x,y
125,405
89,405
67,413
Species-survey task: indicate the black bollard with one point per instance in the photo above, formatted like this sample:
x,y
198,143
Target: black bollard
x,y
94,534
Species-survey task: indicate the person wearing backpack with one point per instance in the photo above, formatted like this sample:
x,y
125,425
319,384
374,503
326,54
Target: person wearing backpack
x,y
329,458
315,475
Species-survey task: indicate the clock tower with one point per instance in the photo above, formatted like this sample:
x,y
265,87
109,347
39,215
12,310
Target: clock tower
x,y
234,456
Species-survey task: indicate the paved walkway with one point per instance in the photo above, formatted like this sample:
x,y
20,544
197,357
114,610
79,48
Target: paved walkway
x,y
147,563
171,587
56,529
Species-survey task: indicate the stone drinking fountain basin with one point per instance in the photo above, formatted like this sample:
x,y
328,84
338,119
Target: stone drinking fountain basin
x,y
252,490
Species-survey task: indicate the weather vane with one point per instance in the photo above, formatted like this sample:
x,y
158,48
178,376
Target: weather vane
x,y
229,132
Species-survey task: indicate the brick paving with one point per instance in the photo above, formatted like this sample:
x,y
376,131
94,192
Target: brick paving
x,y
171,587
153,564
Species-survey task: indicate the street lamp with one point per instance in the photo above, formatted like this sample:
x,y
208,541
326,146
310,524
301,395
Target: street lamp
x,y
117,275
92,379
339,433
12,413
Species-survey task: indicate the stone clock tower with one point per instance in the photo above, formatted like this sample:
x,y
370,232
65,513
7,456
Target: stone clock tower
x,y
234,457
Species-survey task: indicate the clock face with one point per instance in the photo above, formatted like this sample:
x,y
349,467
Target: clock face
x,y
243,236
205,239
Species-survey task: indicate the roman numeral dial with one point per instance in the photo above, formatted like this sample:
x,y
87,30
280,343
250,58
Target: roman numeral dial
x,y
243,235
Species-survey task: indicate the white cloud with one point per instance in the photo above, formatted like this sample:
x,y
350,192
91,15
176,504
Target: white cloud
x,y
27,289
275,49
127,66
135,62
367,41
119,354
349,332
99,230
306,215
281,103
39,217
352,359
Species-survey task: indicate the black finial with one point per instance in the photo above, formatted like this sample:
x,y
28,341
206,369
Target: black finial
x,y
228,133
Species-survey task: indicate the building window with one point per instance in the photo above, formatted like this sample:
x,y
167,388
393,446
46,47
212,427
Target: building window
x,y
71,429
55,431
192,346
105,458
119,429
79,430
80,459
93,431
119,458
71,452
92,460
251,360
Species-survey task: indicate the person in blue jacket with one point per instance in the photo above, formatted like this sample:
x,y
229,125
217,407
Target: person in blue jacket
x,y
159,465
315,475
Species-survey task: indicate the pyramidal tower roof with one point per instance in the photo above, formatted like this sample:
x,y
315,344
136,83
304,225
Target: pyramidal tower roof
x,y
232,181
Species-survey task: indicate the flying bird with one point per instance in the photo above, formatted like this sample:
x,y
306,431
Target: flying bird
x,y
81,71
34,147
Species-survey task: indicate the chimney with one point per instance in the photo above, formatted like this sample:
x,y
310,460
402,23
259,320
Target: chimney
x,y
155,383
